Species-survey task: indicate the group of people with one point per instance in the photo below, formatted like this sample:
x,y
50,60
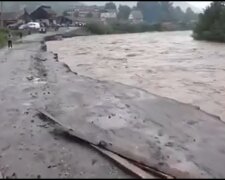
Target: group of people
x,y
10,39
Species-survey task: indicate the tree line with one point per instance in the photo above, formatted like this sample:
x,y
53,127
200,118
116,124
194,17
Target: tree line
x,y
211,24
155,12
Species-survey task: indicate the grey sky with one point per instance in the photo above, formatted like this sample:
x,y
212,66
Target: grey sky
x,y
199,4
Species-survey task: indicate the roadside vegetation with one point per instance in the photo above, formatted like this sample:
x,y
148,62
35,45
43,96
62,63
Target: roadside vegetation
x,y
211,24
126,27
4,34
3,37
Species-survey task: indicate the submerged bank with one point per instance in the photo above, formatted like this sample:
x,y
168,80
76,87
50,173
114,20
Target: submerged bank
x,y
126,27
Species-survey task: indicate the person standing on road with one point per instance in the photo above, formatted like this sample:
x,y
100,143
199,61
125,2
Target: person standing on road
x,y
21,35
9,40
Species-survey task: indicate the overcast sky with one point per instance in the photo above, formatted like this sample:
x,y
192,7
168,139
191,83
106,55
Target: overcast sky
x,y
200,4
197,4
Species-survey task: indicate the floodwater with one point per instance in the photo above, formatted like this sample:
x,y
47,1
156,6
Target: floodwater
x,y
169,64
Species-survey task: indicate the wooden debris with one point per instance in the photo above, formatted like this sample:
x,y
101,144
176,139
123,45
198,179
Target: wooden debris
x,y
140,173
153,171
134,167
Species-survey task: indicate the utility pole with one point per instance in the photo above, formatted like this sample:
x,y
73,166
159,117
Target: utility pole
x,y
1,14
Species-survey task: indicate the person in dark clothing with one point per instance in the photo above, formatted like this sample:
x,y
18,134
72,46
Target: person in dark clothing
x,y
21,35
9,40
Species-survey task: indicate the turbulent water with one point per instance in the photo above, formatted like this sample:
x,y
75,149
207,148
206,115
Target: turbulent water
x,y
169,64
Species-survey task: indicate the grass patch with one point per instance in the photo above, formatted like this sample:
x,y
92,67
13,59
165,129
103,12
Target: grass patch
x,y
3,37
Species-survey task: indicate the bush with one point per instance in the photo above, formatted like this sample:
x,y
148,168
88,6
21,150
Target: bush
x,y
3,37
120,27
211,24
98,28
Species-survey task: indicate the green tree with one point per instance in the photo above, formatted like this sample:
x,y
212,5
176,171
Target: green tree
x,y
124,12
89,15
189,15
211,24
65,13
178,14
166,10
151,10
110,5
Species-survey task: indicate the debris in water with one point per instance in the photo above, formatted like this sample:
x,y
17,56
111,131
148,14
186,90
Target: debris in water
x,y
102,144
93,161
30,78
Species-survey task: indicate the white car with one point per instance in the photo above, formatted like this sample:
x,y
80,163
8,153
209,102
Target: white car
x,y
30,25
33,25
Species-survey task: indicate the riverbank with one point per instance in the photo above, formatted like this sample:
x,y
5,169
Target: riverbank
x,y
126,27
133,122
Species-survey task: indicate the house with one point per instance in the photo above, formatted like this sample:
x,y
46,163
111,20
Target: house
x,y
14,17
44,14
86,20
135,17
64,20
86,11
108,15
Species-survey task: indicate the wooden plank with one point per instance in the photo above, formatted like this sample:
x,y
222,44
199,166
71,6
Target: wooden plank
x,y
140,173
153,171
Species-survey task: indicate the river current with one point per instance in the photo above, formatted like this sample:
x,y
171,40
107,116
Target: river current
x,y
169,64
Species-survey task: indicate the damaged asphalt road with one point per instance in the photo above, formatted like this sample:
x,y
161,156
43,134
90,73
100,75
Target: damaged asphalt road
x,y
28,149
175,138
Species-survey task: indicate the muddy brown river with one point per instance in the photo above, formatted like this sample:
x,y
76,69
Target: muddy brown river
x,y
169,64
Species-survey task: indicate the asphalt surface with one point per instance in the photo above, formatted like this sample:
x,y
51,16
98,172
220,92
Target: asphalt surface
x,y
28,148
176,138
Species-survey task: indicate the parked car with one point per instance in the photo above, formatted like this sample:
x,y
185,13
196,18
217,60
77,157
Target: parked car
x,y
30,25
23,26
34,25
